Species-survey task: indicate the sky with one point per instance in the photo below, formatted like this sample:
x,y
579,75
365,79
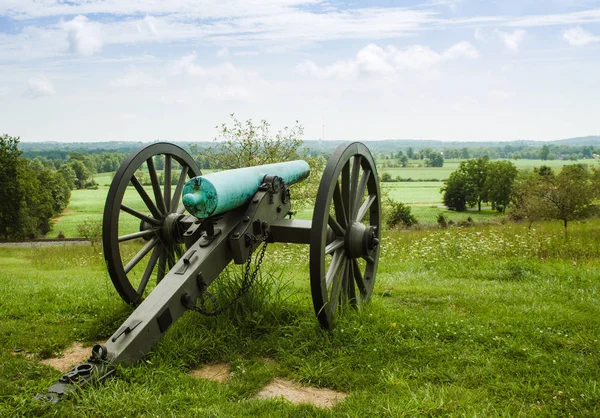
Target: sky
x,y
452,70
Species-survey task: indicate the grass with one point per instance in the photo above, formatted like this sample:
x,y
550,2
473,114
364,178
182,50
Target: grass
x,y
420,173
88,205
483,321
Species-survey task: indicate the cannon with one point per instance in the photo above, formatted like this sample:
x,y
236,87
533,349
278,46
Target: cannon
x,y
163,260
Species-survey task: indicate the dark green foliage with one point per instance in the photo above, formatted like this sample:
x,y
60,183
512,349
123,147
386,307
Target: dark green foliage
x,y
479,180
566,196
399,213
442,221
456,191
10,199
386,178
434,159
31,193
498,185
544,152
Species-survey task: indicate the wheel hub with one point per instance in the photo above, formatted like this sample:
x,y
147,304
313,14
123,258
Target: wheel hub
x,y
360,240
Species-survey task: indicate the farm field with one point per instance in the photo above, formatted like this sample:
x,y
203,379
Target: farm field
x,y
442,173
424,196
480,321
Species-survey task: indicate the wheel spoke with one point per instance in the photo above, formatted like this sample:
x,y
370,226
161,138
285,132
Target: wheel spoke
x,y
148,271
334,267
353,187
149,203
358,278
344,280
336,288
365,207
141,254
335,226
162,264
346,190
351,286
167,182
338,205
339,243
141,234
369,259
156,185
360,191
140,215
180,183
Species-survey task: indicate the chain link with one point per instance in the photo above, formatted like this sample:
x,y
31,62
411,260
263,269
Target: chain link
x,y
247,283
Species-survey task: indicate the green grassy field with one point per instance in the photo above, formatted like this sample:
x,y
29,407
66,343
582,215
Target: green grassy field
x,y
88,205
442,173
480,321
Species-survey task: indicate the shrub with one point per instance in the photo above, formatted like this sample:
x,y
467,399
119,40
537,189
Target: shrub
x,y
399,213
441,220
92,231
386,178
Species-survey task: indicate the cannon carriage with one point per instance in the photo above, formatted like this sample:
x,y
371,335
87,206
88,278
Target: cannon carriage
x,y
231,215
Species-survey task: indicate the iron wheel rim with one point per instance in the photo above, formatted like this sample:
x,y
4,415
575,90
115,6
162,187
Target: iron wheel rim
x,y
348,192
162,208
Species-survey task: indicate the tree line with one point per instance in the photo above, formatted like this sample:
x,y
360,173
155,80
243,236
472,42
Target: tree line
x,y
542,194
31,194
509,152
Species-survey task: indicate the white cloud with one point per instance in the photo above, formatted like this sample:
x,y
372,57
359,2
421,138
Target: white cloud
x,y
187,65
577,36
84,37
135,78
223,52
512,40
479,34
501,94
38,87
374,59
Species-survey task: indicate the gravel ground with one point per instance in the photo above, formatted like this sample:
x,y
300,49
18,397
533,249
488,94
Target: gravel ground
x,y
45,243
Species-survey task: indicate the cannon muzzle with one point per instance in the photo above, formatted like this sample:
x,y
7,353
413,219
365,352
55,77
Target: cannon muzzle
x,y
217,193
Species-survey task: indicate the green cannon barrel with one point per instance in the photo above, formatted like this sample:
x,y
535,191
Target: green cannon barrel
x,y
216,193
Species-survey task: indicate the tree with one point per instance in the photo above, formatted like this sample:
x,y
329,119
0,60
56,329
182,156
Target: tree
x,y
31,193
435,159
404,161
410,153
10,198
81,173
244,144
527,203
455,191
475,171
566,196
499,182
569,194
544,152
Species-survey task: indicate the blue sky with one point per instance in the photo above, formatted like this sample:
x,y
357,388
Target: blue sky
x,y
86,70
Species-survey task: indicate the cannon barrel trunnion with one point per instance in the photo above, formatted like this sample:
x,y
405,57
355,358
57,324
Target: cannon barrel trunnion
x,y
162,260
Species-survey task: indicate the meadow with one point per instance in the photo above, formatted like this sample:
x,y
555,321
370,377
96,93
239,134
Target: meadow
x,y
423,194
493,320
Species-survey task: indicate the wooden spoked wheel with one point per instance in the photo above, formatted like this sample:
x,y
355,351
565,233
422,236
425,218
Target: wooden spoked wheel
x,y
345,234
141,230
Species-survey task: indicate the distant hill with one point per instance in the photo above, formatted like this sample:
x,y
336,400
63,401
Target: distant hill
x,y
62,149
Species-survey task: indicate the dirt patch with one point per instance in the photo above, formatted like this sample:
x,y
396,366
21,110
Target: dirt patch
x,y
218,372
71,356
293,392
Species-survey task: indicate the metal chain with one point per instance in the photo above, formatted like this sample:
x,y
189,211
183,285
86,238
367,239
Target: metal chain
x,y
247,283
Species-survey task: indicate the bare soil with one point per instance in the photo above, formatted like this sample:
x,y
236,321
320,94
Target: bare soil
x,y
219,372
293,392
71,356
